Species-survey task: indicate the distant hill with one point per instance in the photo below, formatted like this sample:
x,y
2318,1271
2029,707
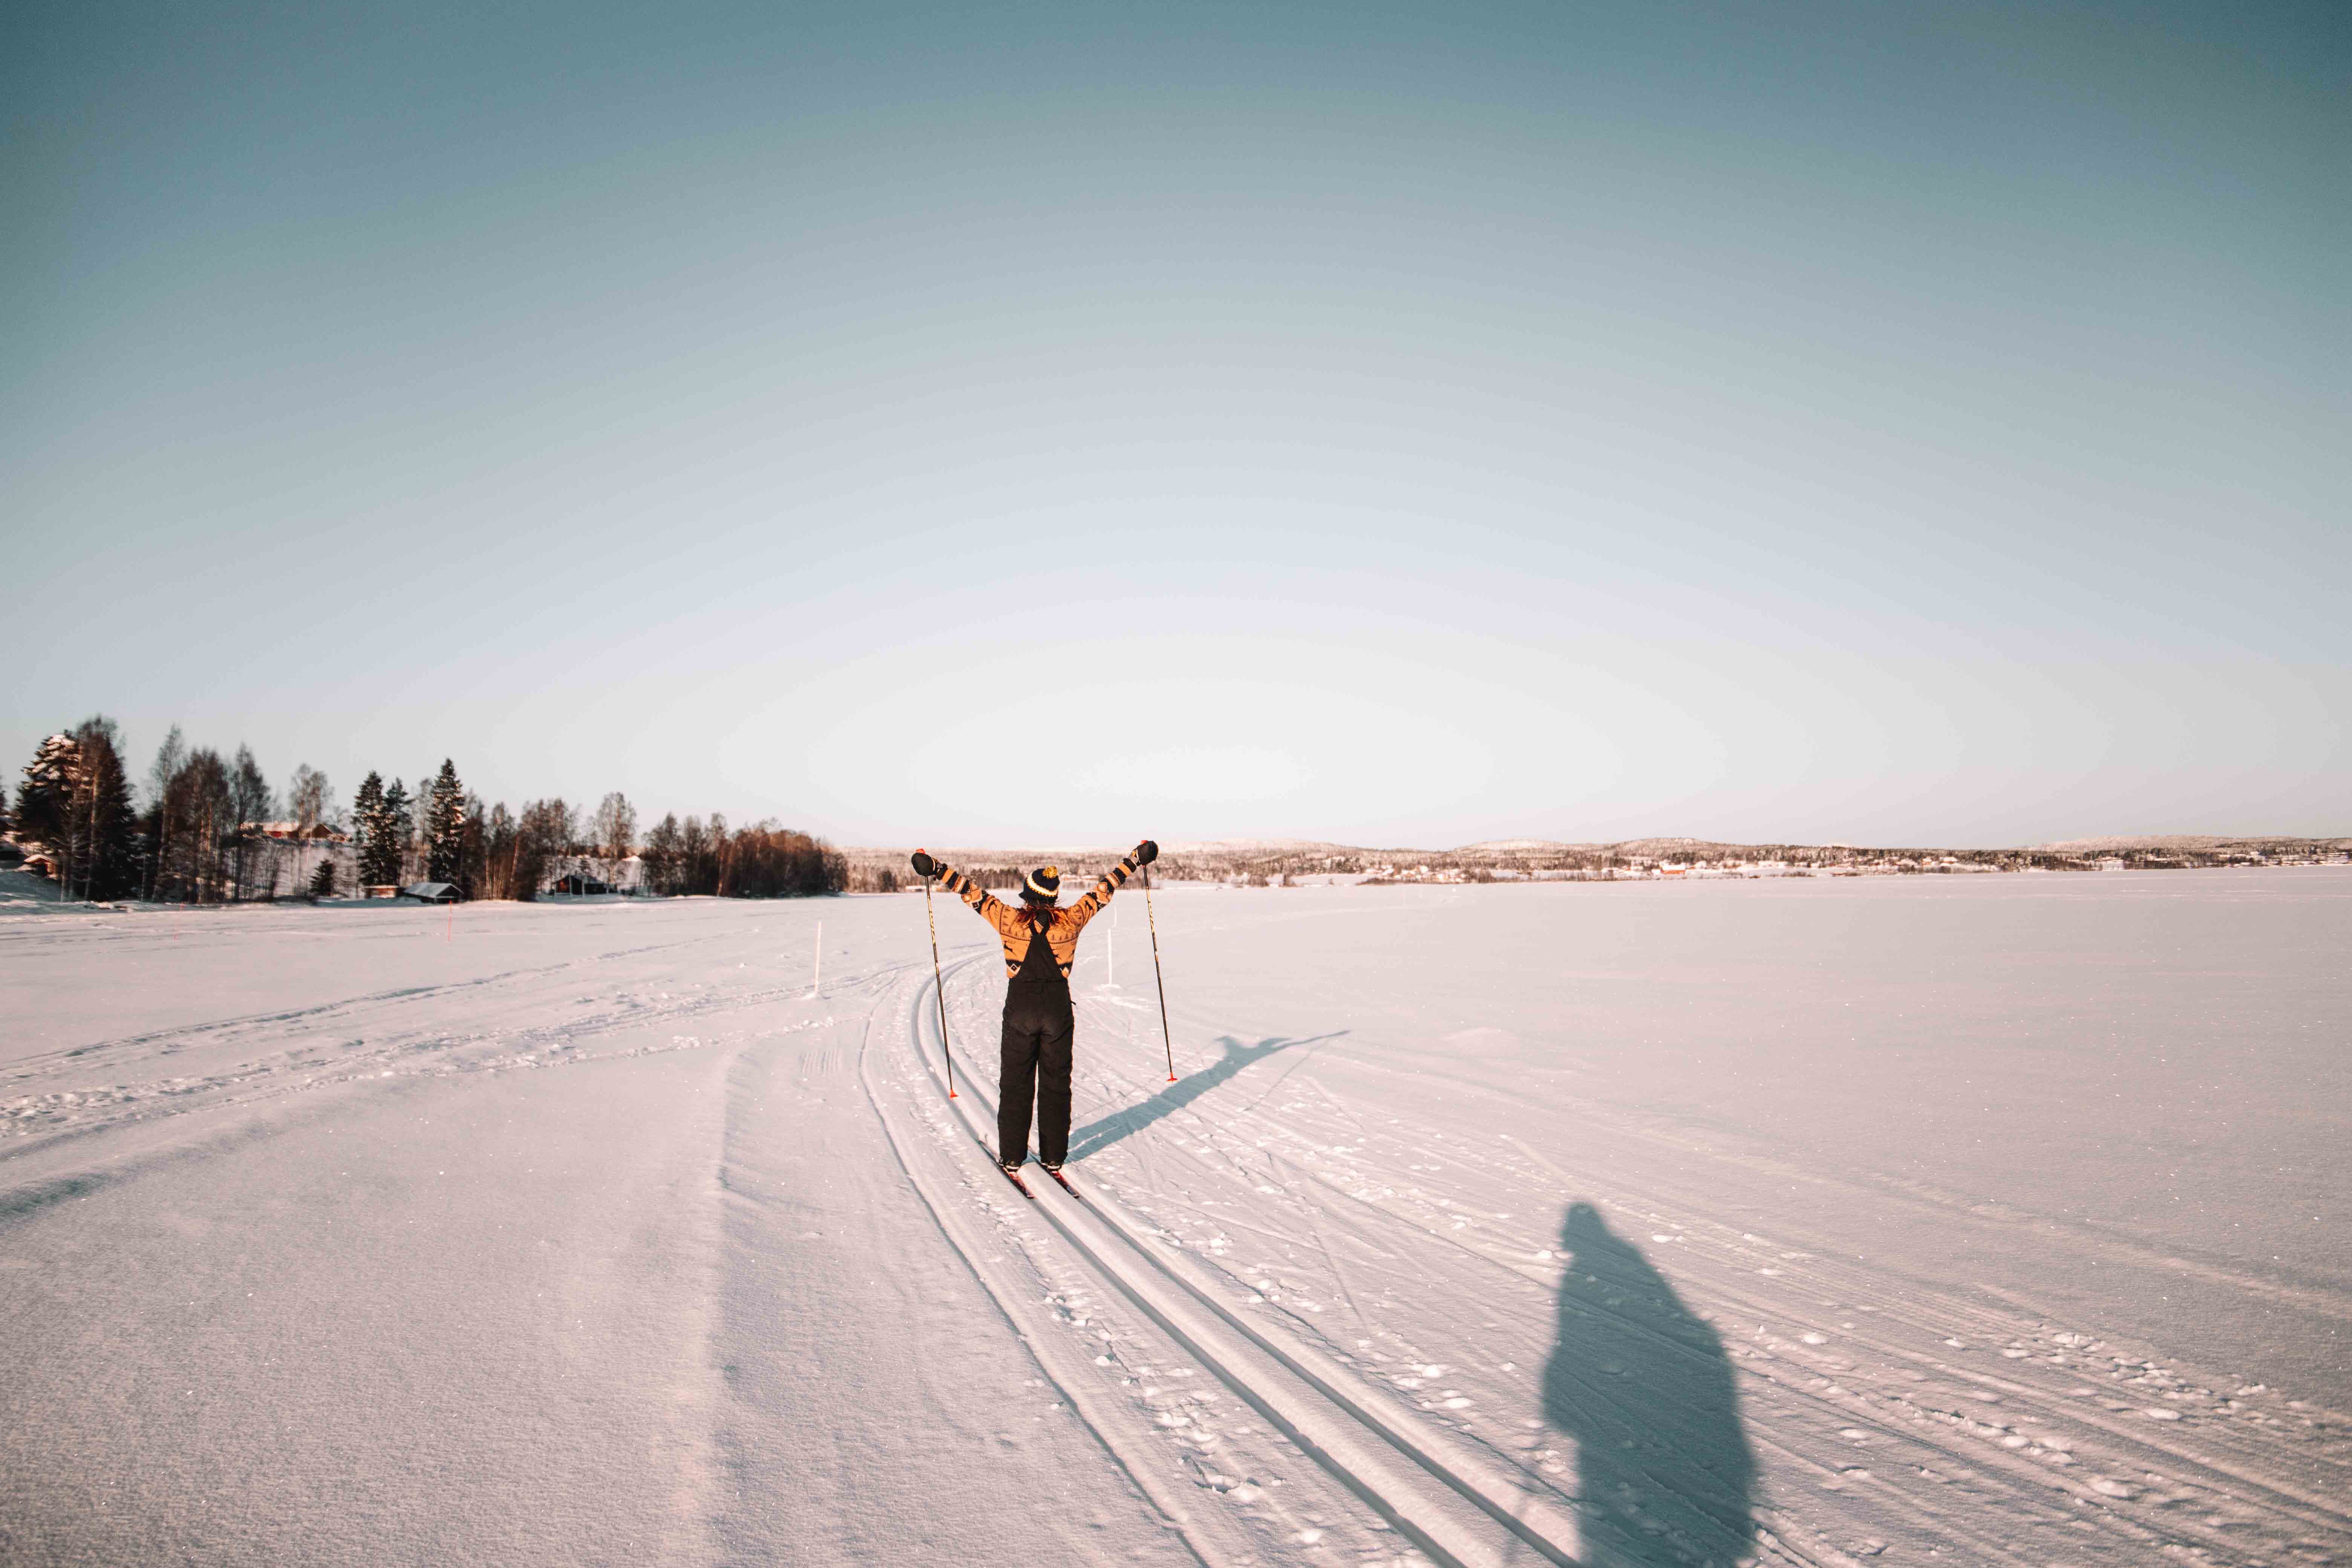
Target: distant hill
x,y
2191,843
1259,847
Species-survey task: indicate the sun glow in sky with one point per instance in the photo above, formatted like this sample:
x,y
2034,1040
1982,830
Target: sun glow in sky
x,y
1051,424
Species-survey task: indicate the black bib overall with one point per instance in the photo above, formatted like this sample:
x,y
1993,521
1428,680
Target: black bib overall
x,y
1034,1066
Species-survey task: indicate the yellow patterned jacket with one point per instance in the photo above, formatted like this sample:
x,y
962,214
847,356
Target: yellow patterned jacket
x,y
1013,927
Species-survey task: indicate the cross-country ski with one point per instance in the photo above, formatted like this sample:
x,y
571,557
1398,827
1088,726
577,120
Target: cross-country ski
x,y
1013,1174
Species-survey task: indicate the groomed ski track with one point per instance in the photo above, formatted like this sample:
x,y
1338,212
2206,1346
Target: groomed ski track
x,y
1853,1385
1484,1522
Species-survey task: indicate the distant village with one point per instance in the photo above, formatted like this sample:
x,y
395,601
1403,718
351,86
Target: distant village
x,y
1650,860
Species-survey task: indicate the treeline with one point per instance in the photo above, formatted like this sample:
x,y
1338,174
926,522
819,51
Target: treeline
x,y
212,829
445,834
74,812
762,861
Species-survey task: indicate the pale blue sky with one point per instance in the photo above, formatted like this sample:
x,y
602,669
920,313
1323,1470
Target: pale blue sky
x,y
1059,423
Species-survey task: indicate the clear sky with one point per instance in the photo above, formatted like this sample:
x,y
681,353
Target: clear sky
x,y
1052,424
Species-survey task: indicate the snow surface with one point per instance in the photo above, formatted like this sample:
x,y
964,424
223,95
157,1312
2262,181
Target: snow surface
x,y
1995,1219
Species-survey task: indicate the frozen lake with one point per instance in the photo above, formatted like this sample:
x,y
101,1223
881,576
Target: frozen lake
x,y
1996,1217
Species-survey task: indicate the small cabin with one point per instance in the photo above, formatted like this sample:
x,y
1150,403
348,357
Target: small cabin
x,y
430,892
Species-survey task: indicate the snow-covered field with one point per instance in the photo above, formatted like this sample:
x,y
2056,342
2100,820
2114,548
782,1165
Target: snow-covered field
x,y
1996,1220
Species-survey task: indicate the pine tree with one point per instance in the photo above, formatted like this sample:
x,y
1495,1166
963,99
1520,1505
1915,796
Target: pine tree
x,y
105,826
322,881
399,827
45,802
74,807
444,825
371,828
473,850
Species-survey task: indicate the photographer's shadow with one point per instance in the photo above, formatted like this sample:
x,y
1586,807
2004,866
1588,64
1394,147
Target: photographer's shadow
x,y
1643,1387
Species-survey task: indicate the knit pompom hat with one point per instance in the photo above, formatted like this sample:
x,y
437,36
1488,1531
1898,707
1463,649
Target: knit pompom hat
x,y
1043,884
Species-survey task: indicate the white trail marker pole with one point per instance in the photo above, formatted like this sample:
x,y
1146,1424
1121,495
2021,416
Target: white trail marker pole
x,y
817,982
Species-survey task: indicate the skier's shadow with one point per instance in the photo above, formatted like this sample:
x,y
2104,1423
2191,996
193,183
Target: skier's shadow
x,y
1665,1471
1097,1136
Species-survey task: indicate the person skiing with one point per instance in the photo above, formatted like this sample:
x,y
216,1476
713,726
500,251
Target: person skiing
x,y
1040,944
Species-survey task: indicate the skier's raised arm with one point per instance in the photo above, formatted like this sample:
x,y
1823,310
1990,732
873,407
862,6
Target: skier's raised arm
x,y
986,904
1086,909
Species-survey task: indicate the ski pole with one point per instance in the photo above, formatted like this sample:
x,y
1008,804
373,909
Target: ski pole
x,y
939,987
1165,1037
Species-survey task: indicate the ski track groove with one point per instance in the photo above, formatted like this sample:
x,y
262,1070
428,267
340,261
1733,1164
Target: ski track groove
x,y
2130,1481
1350,1441
1052,1359
1214,1539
